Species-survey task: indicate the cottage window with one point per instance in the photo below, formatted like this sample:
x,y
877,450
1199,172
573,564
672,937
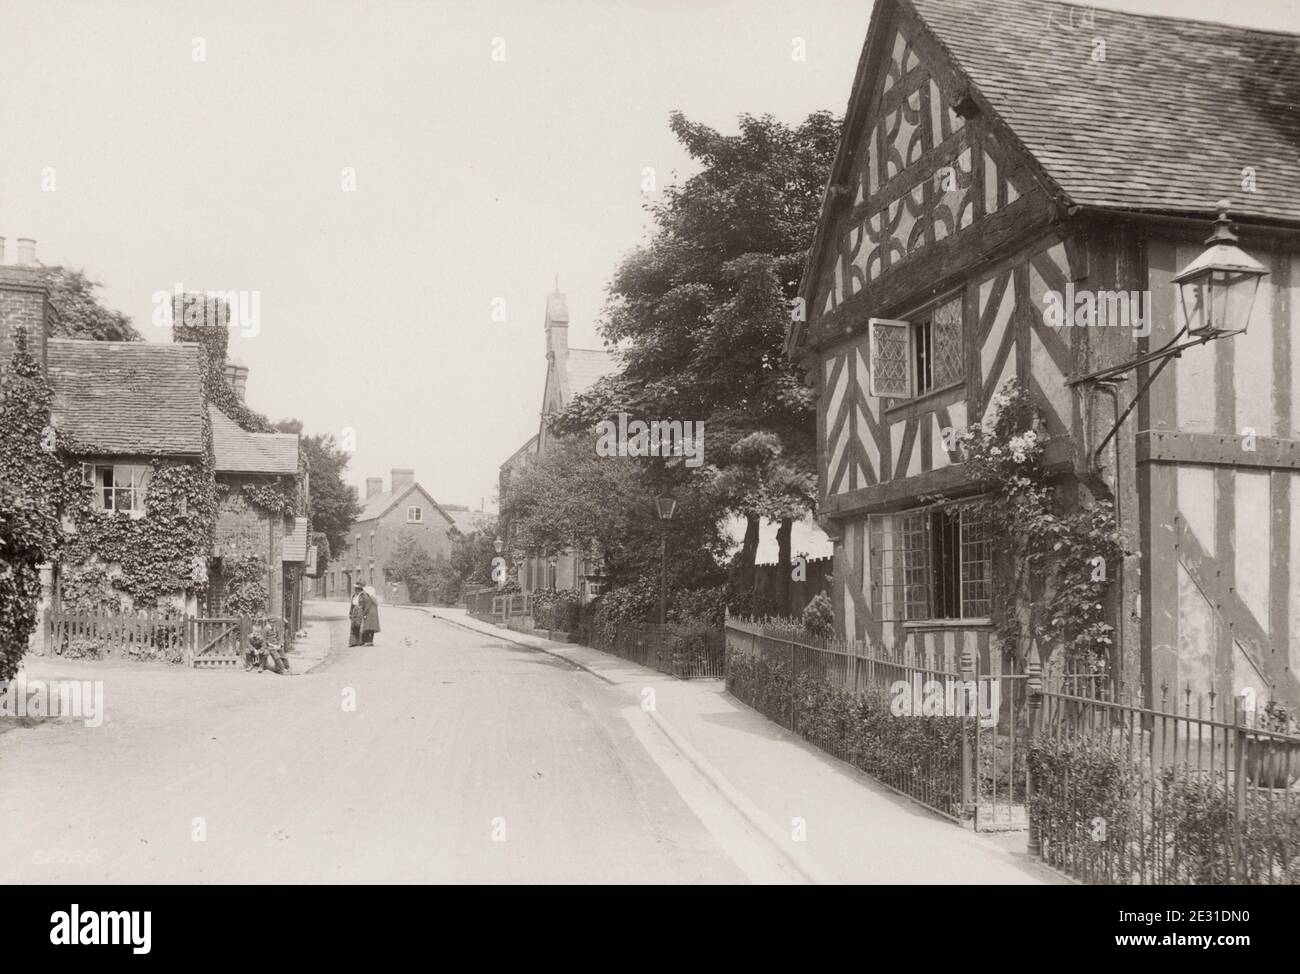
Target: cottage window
x,y
414,515
930,564
923,354
117,486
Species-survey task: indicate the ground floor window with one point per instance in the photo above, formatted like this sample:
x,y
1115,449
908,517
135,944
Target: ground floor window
x,y
930,563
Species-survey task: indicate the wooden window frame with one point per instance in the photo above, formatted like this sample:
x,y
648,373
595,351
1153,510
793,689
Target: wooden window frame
x,y
106,498
920,321
905,565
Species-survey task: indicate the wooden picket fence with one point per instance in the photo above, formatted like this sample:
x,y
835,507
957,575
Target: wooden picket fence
x,y
200,643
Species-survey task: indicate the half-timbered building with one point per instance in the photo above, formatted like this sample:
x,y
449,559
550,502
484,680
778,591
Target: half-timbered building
x,y
1000,158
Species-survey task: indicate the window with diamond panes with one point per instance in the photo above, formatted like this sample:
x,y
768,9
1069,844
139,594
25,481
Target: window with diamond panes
x,y
890,367
930,564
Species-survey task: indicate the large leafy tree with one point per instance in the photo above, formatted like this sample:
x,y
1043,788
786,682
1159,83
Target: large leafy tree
x,y
36,487
572,499
700,313
333,504
471,560
410,562
80,314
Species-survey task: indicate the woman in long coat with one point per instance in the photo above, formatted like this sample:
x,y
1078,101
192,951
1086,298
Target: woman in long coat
x,y
356,614
370,621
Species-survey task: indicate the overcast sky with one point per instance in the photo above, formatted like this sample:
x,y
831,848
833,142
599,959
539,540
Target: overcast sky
x,y
476,179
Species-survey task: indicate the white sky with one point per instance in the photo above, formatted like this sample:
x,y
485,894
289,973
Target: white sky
x,y
476,179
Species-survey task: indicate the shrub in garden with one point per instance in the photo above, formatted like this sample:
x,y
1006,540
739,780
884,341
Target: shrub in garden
x,y
637,603
557,610
704,605
818,617
916,754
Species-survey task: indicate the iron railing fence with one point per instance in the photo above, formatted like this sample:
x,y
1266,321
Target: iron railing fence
x,y
1205,792
488,605
479,604
865,706
683,651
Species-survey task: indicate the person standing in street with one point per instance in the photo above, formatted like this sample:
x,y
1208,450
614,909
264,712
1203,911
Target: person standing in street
x,y
370,619
357,614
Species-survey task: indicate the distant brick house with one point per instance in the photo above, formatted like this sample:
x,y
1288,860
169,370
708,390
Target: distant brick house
x,y
404,510
569,373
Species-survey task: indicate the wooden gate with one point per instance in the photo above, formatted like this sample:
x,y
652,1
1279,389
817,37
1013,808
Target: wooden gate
x,y
216,643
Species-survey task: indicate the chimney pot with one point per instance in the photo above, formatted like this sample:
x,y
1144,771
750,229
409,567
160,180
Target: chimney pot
x,y
27,251
2,250
374,485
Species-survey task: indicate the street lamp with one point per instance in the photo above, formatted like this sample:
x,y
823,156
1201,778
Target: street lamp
x,y
1217,290
666,507
499,545
1217,294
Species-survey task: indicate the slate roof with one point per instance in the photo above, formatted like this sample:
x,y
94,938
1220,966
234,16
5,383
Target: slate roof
x,y
238,451
128,398
1166,123
587,365
379,504
294,547
467,522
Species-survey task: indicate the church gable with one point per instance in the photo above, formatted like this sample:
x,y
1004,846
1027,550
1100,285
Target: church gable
x,y
921,171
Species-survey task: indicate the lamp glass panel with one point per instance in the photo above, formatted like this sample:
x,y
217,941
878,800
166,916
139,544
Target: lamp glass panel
x,y
1191,294
1242,290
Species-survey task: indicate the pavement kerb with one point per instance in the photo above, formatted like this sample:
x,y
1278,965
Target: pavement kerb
x,y
733,796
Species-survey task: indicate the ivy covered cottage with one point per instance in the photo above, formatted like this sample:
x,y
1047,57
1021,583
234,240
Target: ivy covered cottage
x,y
1022,200
193,505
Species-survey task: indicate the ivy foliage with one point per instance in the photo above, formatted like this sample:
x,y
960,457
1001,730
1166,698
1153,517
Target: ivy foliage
x,y
214,339
278,498
1062,549
245,577
35,489
155,556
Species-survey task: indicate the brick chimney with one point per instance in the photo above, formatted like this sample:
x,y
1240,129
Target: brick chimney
x,y
201,308
2,250
402,477
557,324
24,303
237,376
374,485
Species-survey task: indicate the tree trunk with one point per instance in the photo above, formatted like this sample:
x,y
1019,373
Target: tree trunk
x,y
783,560
743,579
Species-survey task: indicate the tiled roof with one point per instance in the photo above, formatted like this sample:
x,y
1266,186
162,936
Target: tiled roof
x,y
467,522
125,398
238,451
379,504
587,365
24,275
294,547
1167,122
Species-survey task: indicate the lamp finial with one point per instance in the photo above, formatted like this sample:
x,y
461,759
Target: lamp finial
x,y
1222,225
